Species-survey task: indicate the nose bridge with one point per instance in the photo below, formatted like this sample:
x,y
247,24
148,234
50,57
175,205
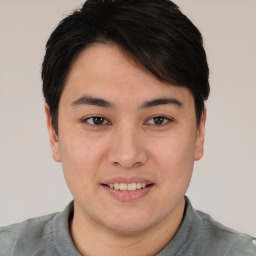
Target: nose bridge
x,y
127,149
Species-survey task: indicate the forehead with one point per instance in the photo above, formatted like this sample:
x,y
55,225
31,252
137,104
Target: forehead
x,y
104,71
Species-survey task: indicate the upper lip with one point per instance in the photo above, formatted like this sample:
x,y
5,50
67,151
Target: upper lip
x,y
127,180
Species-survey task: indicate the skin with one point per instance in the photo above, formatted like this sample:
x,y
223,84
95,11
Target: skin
x,y
129,142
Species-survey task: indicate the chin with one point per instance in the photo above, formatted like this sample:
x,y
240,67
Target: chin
x,y
129,229
129,225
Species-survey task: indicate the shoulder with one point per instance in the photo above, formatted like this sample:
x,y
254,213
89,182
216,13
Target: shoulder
x,y
217,239
27,236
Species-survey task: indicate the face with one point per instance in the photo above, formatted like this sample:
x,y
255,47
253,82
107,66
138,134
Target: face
x,y
127,142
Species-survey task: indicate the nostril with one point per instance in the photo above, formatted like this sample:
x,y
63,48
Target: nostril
x,y
127,156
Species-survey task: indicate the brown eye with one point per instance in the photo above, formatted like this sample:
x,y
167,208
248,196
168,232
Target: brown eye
x,y
96,120
159,120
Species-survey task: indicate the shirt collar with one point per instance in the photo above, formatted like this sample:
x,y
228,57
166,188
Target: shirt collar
x,y
180,243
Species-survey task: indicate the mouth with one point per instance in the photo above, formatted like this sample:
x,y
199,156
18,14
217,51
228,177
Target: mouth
x,y
128,186
128,189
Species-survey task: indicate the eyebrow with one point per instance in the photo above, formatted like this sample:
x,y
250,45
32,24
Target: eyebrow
x,y
162,101
90,100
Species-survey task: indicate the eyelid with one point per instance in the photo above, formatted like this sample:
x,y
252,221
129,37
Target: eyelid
x,y
85,120
107,122
167,120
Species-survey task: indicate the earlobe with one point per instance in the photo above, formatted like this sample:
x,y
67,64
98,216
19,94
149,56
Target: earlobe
x,y
200,137
54,142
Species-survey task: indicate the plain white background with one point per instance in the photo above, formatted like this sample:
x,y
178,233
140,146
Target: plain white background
x,y
224,181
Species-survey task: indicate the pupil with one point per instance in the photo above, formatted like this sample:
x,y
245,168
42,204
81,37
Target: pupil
x,y
98,120
159,120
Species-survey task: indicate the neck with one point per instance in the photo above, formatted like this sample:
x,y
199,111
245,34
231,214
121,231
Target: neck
x,y
90,238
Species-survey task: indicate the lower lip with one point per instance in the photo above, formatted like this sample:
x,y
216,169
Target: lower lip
x,y
128,196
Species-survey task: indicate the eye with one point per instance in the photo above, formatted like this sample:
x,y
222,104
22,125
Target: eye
x,y
96,120
159,120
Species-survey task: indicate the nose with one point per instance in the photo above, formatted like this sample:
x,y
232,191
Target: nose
x,y
127,149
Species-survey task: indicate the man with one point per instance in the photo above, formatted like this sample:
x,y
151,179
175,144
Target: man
x,y
125,84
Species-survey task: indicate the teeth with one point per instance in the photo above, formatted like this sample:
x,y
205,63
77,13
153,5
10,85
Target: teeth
x,y
123,186
132,186
139,186
116,186
129,187
143,185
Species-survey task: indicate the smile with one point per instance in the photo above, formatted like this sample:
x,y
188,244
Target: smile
x,y
127,189
128,186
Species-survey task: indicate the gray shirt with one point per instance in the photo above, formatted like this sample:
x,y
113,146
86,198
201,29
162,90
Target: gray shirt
x,y
198,235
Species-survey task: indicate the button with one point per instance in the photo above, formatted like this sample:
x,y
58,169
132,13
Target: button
x,y
254,241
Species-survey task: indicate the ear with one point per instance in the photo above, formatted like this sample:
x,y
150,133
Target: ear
x,y
200,137
54,142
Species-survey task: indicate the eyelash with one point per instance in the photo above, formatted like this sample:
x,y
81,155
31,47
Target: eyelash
x,y
105,122
93,119
166,121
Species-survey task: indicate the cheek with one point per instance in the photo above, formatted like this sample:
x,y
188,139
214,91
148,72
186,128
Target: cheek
x,y
175,156
80,150
80,160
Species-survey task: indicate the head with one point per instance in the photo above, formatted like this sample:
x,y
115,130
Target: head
x,y
125,84
154,34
